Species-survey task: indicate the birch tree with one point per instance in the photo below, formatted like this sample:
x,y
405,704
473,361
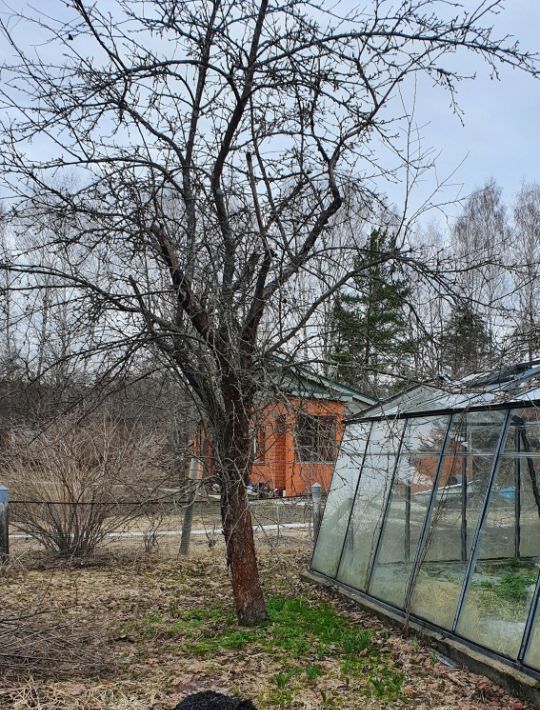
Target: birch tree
x,y
481,242
526,252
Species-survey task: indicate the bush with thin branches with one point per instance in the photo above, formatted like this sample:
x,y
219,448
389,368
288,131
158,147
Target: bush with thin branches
x,y
77,483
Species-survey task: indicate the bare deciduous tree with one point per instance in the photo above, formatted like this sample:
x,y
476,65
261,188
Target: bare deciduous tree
x,y
209,146
526,252
481,236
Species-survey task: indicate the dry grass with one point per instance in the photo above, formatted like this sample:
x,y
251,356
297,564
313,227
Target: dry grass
x,y
140,633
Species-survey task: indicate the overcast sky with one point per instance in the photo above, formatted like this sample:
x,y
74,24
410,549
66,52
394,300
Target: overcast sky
x,y
500,137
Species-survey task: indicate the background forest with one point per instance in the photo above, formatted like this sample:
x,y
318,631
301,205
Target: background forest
x,y
391,326
474,306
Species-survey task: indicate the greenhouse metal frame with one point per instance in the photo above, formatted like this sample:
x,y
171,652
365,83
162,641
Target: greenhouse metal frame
x,y
434,512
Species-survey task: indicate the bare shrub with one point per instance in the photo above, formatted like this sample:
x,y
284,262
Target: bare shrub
x,y
154,521
78,483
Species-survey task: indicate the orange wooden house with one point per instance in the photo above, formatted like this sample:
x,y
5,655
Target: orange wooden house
x,y
297,443
299,430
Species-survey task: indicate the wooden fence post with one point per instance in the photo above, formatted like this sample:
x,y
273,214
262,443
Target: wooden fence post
x,y
4,522
316,501
187,521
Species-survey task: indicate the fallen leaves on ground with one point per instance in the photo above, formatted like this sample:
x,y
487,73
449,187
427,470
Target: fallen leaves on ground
x,y
142,633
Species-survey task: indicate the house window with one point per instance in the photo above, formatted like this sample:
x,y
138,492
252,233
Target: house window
x,y
315,439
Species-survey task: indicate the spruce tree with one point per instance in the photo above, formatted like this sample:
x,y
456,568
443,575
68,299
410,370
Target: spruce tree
x,y
370,333
467,344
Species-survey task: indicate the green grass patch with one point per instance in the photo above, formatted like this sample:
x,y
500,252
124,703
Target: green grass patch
x,y
386,683
298,633
313,671
299,626
507,595
510,586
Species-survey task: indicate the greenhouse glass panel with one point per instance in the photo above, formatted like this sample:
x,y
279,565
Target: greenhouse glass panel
x,y
458,501
526,449
409,500
532,657
340,498
440,517
502,585
369,504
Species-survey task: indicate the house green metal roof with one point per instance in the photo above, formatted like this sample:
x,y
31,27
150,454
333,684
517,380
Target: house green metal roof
x,y
301,381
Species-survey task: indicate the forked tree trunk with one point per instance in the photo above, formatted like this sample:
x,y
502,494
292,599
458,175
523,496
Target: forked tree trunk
x,y
241,556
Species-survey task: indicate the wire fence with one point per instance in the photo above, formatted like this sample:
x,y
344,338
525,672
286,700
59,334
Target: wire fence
x,y
153,526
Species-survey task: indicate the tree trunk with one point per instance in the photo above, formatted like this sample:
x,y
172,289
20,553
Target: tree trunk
x,y
234,466
241,557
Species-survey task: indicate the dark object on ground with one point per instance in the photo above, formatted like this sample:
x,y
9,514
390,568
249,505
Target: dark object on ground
x,y
213,701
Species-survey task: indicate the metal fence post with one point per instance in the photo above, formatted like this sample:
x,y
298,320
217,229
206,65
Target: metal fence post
x,y
316,500
4,522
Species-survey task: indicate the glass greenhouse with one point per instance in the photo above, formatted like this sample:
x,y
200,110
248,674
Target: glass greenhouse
x,y
434,512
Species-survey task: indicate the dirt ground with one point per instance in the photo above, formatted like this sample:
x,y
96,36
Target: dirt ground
x,y
141,632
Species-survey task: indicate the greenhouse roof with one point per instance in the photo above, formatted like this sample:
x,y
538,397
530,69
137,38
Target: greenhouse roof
x,y
515,385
